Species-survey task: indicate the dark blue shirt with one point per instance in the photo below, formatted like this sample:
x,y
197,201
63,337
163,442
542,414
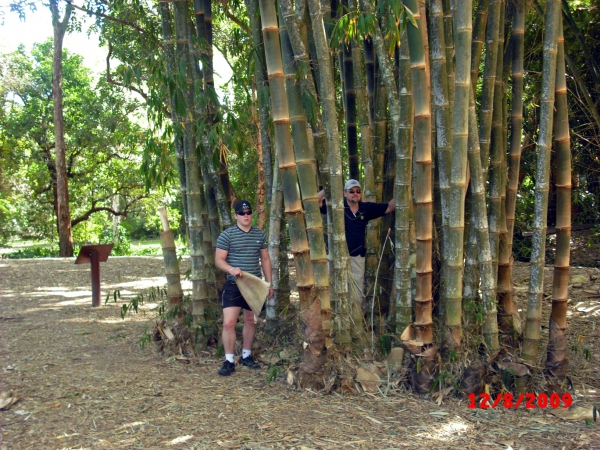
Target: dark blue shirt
x,y
356,224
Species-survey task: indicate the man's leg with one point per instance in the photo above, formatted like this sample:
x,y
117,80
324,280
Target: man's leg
x,y
249,329
357,288
230,317
248,334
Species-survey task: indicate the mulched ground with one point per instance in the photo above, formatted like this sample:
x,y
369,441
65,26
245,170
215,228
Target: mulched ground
x,y
80,380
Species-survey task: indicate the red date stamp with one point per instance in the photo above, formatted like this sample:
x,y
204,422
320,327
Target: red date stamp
x,y
508,400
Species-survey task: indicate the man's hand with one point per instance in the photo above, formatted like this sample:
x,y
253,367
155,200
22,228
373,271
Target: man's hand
x,y
271,292
236,272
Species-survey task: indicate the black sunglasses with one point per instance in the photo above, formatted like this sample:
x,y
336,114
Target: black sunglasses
x,y
247,213
358,191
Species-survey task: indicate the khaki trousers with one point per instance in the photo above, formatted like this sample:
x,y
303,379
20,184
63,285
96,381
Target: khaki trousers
x,y
357,284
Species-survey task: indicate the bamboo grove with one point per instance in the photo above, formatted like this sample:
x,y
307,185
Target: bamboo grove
x,y
419,101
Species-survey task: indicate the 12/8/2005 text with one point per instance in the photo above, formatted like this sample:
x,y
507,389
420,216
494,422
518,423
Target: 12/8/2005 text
x,y
509,400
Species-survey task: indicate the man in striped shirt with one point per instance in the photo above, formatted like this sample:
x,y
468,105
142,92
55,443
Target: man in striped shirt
x,y
239,249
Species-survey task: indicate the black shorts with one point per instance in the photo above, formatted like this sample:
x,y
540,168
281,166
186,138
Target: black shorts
x,y
231,296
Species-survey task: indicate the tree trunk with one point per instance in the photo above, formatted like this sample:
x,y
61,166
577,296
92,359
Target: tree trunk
x,y
63,214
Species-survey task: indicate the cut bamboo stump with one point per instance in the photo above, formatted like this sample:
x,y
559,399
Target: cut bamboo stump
x,y
167,242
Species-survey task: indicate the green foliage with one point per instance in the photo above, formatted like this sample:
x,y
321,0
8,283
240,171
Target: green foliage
x,y
443,379
120,238
104,142
35,251
146,337
384,343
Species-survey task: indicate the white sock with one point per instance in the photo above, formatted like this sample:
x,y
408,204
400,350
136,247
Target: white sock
x,y
229,357
246,353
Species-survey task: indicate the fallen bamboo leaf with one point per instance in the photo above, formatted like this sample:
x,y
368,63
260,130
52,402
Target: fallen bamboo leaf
x,y
575,413
374,420
580,279
6,403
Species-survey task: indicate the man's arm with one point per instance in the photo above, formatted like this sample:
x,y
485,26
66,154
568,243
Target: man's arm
x,y
321,197
265,261
391,206
221,263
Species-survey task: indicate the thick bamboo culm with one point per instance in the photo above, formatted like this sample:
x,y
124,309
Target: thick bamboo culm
x,y
423,324
479,225
479,33
507,310
497,163
556,360
307,177
167,243
338,250
532,332
443,124
167,32
312,358
458,182
489,78
192,168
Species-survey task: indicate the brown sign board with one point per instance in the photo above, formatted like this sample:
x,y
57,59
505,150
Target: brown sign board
x,y
85,253
94,255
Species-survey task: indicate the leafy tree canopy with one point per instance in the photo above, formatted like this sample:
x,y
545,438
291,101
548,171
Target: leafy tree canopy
x,y
104,139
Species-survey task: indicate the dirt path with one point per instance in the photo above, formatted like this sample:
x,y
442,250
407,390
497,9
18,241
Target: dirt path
x,y
82,381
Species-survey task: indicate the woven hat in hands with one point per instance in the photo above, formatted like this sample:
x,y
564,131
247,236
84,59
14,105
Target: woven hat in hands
x,y
254,290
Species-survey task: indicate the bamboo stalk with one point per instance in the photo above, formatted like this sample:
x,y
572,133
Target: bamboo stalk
x,y
507,310
556,361
532,332
313,352
167,241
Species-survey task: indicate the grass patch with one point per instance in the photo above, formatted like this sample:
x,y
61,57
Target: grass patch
x,y
20,249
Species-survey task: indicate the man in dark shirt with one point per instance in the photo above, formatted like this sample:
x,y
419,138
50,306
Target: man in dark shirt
x,y
356,216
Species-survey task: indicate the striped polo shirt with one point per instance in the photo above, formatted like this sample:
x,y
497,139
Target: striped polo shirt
x,y
243,249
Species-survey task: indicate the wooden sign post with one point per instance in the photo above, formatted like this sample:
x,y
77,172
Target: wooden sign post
x,y
94,254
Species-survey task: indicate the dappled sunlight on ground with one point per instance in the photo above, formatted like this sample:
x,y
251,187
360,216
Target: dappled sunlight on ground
x,y
449,431
86,378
